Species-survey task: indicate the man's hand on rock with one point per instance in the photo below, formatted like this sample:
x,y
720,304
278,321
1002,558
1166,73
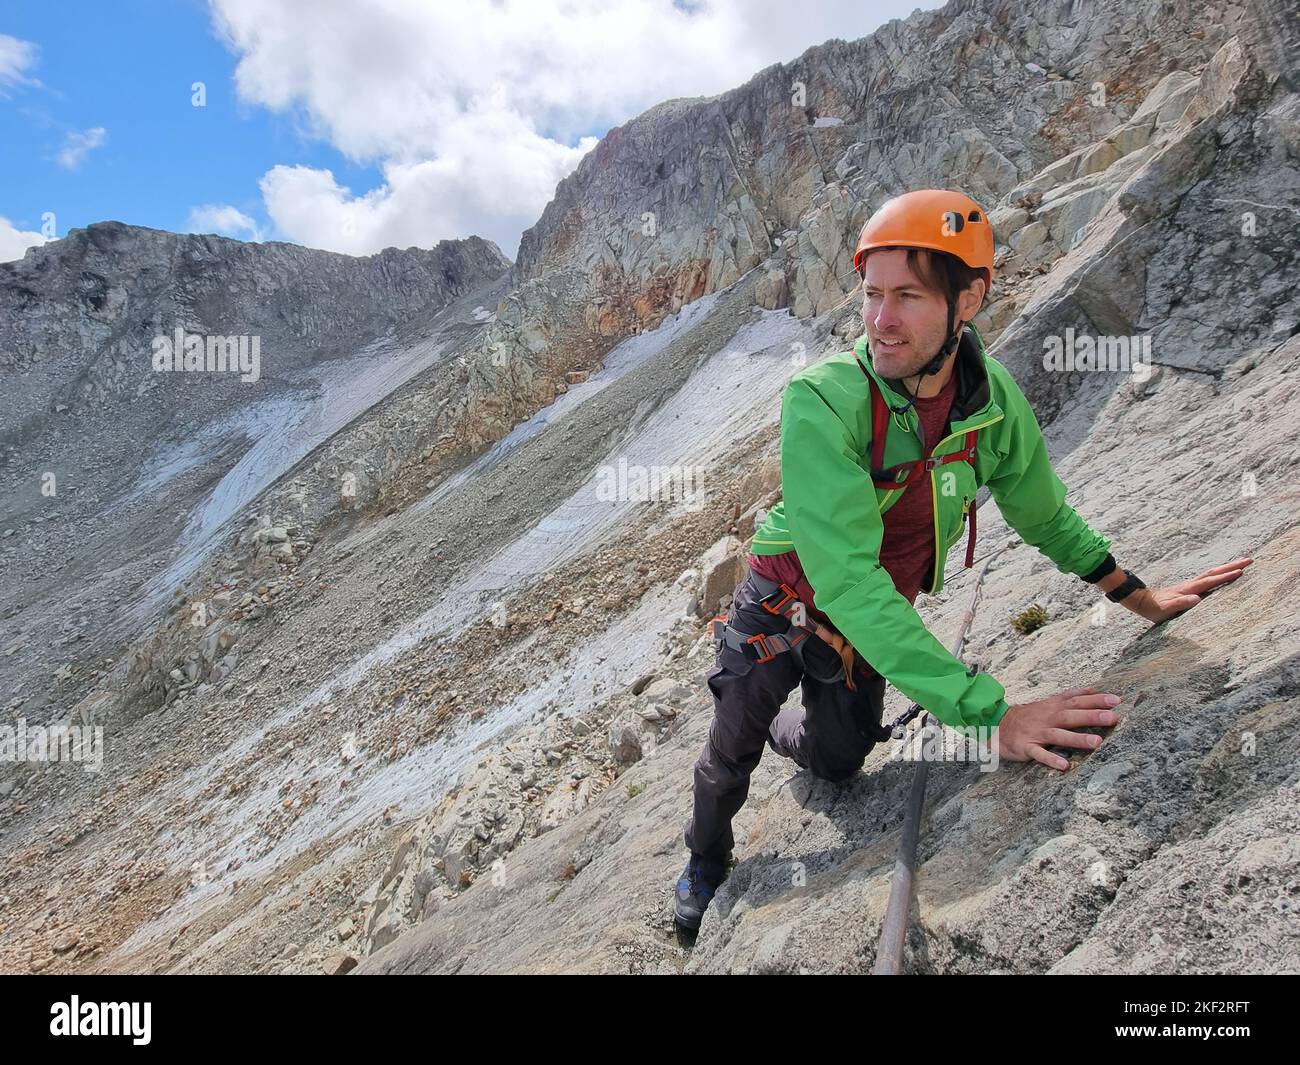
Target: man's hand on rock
x,y
1161,604
1028,729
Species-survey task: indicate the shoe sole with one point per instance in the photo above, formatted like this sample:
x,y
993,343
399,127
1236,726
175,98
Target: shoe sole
x,y
682,922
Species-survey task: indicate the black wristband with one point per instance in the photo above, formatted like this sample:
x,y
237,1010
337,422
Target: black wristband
x,y
1105,569
1123,591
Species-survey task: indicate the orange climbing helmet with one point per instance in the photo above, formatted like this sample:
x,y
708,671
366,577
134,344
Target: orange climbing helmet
x,y
938,219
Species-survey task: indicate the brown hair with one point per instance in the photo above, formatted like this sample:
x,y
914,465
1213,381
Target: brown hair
x,y
939,272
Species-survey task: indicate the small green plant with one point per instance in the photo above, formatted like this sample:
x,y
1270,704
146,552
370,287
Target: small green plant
x,y
1028,620
633,790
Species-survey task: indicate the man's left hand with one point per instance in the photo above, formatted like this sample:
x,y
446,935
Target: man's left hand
x,y
1161,604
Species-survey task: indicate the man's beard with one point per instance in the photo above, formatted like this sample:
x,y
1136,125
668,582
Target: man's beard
x,y
922,351
922,361
911,373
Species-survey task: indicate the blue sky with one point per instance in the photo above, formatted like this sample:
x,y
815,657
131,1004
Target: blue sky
x,y
346,124
127,67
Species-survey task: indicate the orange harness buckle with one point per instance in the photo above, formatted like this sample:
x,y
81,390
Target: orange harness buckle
x,y
759,640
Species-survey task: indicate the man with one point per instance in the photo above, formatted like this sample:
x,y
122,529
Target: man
x,y
837,565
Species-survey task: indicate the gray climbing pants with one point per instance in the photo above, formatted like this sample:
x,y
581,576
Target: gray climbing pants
x,y
829,735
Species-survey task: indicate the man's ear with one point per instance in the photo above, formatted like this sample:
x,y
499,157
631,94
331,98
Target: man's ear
x,y
970,300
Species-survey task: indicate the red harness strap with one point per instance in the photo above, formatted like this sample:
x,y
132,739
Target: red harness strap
x,y
885,478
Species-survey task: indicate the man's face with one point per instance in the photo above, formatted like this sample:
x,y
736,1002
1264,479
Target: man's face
x,y
896,306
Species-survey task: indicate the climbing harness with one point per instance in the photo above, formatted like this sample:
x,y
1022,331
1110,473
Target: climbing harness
x,y
782,600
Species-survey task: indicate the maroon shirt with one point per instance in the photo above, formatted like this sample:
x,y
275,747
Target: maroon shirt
x,y
907,547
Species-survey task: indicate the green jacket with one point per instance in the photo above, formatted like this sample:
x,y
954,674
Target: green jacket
x,y
831,514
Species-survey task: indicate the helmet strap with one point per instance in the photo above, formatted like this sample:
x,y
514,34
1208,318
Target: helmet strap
x,y
948,346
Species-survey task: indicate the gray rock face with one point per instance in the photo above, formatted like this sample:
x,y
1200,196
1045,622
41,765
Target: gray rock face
x,y
691,195
78,315
178,453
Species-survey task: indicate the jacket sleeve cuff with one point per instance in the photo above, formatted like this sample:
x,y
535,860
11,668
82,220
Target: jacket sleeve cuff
x,y
1106,568
988,721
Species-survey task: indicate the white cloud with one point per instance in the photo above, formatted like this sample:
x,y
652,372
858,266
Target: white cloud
x,y
76,146
224,219
14,242
473,111
16,57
